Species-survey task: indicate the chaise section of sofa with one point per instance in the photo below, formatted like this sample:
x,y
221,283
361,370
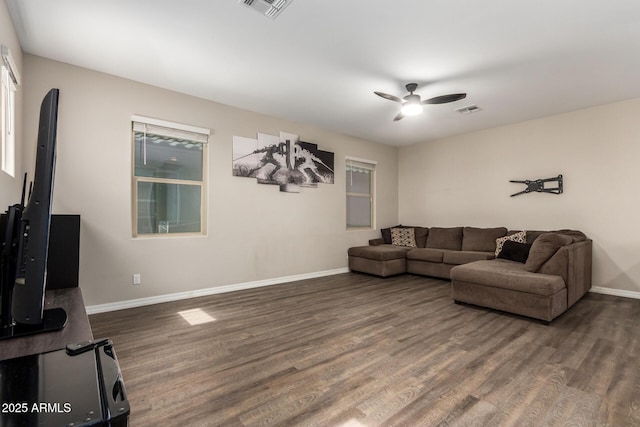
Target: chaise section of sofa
x,y
541,291
380,260
505,285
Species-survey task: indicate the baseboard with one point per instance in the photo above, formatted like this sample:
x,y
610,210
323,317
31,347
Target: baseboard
x,y
616,292
121,305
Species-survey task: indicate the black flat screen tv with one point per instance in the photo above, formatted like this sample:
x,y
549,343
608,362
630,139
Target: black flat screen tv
x,y
26,242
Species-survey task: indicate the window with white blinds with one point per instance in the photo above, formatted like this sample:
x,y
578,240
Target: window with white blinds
x,y
360,189
169,178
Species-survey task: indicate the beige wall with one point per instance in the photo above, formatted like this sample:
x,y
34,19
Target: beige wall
x,y
255,231
10,188
464,180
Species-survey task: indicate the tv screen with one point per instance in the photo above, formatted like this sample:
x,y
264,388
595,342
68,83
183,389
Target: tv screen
x,y
28,292
30,237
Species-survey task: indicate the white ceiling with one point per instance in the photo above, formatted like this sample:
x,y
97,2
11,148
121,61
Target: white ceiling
x,y
320,61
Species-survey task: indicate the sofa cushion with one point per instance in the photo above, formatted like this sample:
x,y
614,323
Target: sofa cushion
x,y
515,251
544,247
403,237
532,235
379,253
481,239
465,257
421,236
505,274
445,238
518,236
426,254
576,236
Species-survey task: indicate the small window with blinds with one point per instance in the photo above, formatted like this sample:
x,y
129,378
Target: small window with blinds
x,y
169,178
360,193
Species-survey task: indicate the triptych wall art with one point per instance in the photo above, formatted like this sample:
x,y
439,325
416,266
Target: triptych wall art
x,y
282,160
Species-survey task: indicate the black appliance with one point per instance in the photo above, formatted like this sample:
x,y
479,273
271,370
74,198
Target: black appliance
x,y
79,386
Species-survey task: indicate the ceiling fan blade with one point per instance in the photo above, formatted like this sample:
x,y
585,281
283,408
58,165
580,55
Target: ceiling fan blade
x,y
389,97
400,116
443,99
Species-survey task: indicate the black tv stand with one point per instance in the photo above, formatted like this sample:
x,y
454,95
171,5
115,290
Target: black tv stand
x,y
53,319
77,329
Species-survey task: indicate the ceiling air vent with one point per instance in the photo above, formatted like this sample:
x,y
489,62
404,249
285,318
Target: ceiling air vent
x,y
270,8
468,109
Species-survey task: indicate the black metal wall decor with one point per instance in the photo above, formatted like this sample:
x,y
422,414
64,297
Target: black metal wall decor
x,y
538,185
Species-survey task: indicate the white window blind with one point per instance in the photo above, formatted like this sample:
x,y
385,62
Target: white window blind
x,y
10,64
170,130
360,192
10,79
360,166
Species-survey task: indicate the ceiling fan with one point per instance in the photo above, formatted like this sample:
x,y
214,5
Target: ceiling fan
x,y
412,104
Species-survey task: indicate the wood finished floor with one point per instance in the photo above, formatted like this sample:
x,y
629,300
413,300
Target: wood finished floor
x,y
354,350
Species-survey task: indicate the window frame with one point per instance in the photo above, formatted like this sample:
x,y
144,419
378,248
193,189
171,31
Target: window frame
x,y
9,82
184,130
371,166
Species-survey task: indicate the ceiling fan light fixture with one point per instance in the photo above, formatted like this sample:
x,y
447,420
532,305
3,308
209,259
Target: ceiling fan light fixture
x,y
412,104
411,109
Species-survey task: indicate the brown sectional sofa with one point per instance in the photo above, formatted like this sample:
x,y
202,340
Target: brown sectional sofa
x,y
437,251
447,247
556,274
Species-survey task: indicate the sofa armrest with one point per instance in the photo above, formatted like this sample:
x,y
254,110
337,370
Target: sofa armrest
x,y
573,264
376,242
580,264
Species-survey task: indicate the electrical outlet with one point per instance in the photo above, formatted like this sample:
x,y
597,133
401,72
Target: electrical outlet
x,y
137,279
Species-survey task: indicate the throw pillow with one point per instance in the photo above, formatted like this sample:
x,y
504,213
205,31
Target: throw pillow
x,y
403,237
515,251
386,234
543,248
520,237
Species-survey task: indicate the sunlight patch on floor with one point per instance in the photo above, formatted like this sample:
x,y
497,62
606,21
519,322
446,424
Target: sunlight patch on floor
x,y
352,423
196,316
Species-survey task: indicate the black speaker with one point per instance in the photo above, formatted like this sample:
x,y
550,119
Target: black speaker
x,y
63,259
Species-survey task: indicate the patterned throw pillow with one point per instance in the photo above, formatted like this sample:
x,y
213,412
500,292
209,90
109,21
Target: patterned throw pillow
x,y
520,237
403,237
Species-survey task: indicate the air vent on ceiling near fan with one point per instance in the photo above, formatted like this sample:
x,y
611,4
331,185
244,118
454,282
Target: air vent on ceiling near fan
x,y
468,109
270,8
